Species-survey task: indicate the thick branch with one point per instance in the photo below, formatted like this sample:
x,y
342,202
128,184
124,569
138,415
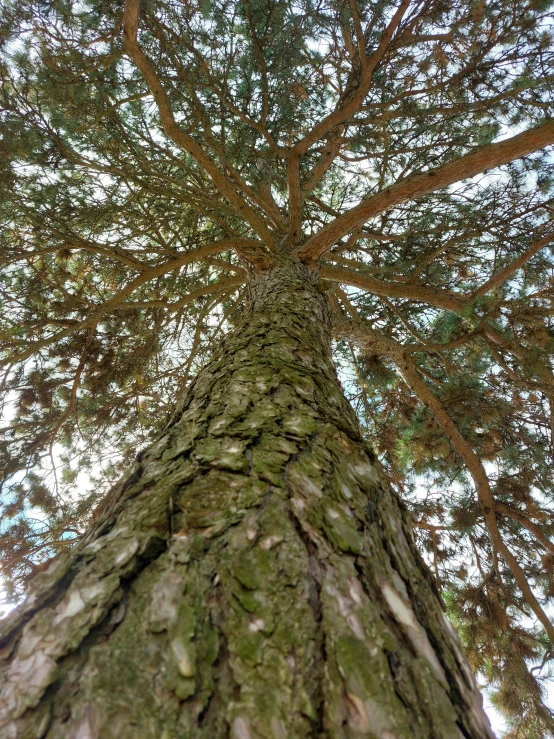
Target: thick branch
x,y
354,98
295,199
327,157
441,299
176,134
469,165
524,520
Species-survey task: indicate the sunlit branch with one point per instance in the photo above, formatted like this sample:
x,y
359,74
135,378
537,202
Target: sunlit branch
x,y
180,137
438,298
356,90
466,166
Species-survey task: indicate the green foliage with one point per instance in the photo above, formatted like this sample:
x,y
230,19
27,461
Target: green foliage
x,y
107,311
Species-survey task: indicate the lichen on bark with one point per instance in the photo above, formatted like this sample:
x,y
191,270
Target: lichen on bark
x,y
253,576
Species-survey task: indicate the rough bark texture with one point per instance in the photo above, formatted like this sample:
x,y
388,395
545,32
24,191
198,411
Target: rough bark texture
x,y
254,576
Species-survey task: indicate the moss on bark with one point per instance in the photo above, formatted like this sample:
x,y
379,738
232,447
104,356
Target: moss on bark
x,y
254,576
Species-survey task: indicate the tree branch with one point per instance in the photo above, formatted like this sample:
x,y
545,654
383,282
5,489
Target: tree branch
x,y
295,199
477,471
524,520
116,301
176,134
484,493
354,96
464,167
497,280
440,299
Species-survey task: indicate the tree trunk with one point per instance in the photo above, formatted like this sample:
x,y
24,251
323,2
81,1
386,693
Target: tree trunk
x,y
254,576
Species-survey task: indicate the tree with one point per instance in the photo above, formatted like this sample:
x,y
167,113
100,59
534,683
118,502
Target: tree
x,y
222,188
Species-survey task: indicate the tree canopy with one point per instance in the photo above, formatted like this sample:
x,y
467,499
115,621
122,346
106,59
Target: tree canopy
x,y
156,157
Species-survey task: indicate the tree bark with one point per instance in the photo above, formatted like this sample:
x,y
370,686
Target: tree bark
x,y
254,576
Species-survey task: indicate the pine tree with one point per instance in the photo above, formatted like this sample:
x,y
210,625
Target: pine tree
x,y
201,202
